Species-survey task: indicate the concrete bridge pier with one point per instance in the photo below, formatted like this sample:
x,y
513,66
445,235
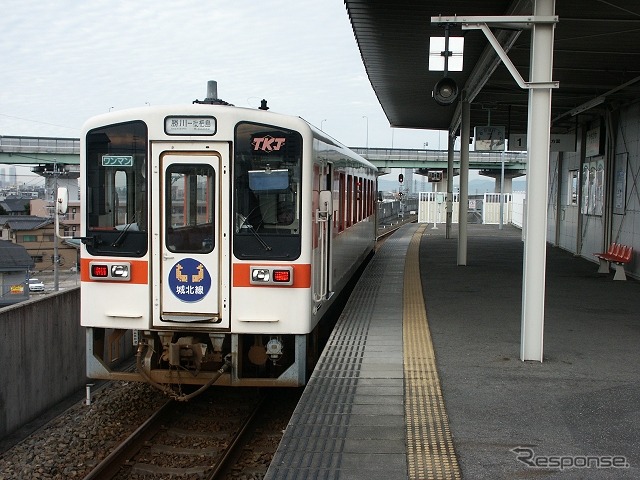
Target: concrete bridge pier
x,y
498,175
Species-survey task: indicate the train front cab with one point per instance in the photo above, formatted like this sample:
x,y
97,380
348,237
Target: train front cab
x,y
201,267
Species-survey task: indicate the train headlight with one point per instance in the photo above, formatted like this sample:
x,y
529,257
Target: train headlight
x,y
260,275
120,271
274,349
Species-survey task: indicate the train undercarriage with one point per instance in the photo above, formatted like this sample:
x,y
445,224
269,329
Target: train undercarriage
x,y
171,360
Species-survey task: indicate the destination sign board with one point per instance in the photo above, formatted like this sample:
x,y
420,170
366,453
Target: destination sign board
x,y
117,160
190,125
557,142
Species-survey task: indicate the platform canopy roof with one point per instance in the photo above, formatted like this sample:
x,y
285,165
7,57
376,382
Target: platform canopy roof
x,y
596,60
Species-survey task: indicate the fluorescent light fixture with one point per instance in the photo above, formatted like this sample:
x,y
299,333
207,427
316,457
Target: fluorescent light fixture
x,y
436,54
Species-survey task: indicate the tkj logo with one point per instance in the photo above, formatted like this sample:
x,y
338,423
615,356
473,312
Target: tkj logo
x,y
189,280
268,143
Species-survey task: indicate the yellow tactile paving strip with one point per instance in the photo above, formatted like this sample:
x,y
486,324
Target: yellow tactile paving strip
x,y
430,452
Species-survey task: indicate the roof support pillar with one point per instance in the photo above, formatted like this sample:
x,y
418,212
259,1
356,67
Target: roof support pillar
x,y
538,141
542,23
450,158
465,133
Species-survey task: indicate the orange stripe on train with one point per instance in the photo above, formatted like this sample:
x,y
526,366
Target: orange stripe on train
x,y
301,275
139,269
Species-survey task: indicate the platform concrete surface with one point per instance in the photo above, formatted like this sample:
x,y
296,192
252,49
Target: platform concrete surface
x,y
576,415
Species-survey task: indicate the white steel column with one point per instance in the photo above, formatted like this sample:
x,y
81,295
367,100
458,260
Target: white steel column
x,y
538,138
450,158
465,130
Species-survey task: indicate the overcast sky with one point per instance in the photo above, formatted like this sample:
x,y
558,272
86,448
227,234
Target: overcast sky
x,y
65,61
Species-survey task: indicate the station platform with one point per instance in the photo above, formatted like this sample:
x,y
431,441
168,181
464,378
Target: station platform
x,y
422,378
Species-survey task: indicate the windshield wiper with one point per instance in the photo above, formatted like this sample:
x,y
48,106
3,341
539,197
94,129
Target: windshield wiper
x,y
258,237
118,241
243,224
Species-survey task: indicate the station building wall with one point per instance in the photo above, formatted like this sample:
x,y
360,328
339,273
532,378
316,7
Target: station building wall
x,y
594,194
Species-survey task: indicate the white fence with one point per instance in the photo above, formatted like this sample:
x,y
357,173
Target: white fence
x,y
517,209
491,209
432,208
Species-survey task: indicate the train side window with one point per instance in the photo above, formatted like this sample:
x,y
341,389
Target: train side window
x,y
365,201
335,192
365,206
342,199
371,196
360,193
349,211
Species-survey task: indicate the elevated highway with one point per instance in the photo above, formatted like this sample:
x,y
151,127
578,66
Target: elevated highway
x,y
39,150
55,159
44,151
437,159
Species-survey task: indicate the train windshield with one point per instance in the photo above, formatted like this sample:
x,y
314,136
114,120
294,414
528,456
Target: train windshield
x,y
266,202
116,190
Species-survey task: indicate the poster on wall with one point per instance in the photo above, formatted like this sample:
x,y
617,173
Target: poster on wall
x,y
620,184
598,206
593,187
584,207
594,142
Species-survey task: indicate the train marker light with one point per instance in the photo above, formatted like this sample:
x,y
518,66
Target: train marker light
x,y
99,271
282,276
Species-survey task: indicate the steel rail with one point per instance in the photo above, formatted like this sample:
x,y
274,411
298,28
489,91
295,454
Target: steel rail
x,y
239,439
111,464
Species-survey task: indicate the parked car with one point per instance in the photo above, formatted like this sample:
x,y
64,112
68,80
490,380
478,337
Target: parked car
x,y
36,285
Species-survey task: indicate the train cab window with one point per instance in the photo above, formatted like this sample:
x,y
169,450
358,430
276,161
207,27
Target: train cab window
x,y
190,208
116,190
267,192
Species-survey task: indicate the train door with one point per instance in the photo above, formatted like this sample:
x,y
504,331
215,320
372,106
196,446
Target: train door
x,y
322,232
191,250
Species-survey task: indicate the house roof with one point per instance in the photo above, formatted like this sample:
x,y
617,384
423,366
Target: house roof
x,y
15,205
24,222
14,257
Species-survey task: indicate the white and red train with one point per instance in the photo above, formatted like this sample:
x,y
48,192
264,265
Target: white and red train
x,y
215,238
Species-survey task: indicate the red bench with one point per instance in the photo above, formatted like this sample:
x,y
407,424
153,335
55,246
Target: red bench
x,y
618,256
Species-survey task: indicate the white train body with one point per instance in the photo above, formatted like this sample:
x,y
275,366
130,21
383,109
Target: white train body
x,y
216,235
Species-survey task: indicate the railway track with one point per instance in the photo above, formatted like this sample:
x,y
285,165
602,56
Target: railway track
x,y
168,445
384,231
198,439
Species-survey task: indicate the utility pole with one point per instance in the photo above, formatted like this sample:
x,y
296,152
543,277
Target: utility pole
x,y
55,224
